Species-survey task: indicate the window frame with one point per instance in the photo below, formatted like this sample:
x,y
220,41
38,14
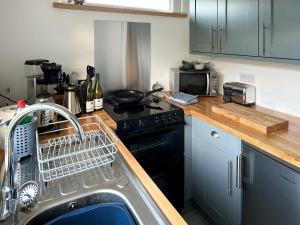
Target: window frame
x,y
170,10
70,5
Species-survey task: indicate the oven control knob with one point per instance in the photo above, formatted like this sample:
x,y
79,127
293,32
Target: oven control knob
x,y
141,123
125,126
156,120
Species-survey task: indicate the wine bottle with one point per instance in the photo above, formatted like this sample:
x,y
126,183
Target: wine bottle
x,y
89,103
98,94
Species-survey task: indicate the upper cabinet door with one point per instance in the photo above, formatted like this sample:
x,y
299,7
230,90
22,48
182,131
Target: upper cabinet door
x,y
238,27
203,25
279,28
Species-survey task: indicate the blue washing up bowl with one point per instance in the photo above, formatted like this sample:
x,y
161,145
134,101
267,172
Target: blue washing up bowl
x,y
101,214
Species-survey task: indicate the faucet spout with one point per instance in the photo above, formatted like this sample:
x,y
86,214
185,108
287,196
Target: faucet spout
x,y
8,189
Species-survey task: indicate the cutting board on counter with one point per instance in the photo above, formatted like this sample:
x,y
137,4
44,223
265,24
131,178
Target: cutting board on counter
x,y
259,121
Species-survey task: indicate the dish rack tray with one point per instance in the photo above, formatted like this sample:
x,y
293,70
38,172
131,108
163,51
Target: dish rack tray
x,y
61,154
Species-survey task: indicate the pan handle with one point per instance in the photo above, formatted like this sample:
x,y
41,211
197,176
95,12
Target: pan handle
x,y
153,91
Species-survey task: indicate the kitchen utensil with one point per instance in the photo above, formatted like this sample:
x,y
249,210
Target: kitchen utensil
x,y
195,65
131,96
90,71
45,117
71,100
156,86
249,117
81,90
24,141
199,66
79,2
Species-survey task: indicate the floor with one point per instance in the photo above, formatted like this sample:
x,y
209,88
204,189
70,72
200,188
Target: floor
x,y
193,215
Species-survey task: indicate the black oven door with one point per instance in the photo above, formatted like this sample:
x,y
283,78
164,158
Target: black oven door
x,y
161,154
194,83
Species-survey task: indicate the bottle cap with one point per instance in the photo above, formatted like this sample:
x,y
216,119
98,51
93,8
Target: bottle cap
x,y
21,103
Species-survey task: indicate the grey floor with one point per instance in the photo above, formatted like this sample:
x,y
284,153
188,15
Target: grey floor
x,y
193,214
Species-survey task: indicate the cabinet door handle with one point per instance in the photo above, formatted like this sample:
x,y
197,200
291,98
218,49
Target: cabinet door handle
x,y
215,134
239,171
229,179
264,38
212,39
220,42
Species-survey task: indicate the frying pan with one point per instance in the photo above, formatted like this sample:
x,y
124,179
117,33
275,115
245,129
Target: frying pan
x,y
132,96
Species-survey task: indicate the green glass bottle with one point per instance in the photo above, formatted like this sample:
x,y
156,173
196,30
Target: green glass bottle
x,y
89,103
98,94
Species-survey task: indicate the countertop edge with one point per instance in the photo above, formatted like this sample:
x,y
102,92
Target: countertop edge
x,y
158,197
154,192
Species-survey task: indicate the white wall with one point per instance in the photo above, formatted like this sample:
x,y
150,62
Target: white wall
x,y
277,84
34,29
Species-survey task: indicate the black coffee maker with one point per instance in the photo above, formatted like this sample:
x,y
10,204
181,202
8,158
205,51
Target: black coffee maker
x,y
42,77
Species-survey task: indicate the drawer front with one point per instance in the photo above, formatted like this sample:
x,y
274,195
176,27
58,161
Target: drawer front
x,y
217,137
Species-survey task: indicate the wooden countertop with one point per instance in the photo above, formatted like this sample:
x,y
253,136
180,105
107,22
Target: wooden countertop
x,y
282,144
159,198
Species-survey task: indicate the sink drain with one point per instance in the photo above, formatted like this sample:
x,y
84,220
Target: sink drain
x,y
73,206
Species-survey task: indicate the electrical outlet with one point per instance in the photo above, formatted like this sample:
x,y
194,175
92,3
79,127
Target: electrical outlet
x,y
247,78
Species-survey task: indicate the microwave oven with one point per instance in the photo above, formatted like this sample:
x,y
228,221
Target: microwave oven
x,y
201,83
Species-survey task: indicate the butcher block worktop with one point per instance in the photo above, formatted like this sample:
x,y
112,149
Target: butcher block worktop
x,y
283,144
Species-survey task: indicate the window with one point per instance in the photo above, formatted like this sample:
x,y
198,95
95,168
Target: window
x,y
157,5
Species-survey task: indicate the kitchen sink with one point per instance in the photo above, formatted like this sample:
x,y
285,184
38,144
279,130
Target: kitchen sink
x,y
114,184
112,209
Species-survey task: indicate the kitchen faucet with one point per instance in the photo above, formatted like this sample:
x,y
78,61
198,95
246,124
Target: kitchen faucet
x,y
9,191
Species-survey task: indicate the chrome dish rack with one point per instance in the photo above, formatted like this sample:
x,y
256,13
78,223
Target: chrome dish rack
x,y
63,154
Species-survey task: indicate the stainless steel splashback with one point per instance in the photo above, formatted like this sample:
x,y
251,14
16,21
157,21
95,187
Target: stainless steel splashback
x,y
123,55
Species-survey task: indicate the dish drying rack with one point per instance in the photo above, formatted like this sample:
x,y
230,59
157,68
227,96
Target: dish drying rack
x,y
63,154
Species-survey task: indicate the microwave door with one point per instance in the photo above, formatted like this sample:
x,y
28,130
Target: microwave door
x,y
207,84
194,83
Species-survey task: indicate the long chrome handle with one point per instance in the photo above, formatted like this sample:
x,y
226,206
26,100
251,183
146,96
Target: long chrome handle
x,y
264,38
229,179
212,39
239,171
215,134
220,39
207,84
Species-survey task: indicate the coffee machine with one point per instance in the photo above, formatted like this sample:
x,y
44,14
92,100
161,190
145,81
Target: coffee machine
x,y
42,77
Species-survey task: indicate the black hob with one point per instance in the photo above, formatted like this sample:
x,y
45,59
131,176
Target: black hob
x,y
150,113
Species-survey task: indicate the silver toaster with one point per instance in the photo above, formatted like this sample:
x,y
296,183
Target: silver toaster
x,y
240,93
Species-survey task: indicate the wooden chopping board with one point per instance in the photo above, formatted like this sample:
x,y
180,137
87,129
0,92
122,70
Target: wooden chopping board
x,y
250,117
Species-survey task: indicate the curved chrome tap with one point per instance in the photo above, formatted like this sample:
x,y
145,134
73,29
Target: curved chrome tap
x,y
8,188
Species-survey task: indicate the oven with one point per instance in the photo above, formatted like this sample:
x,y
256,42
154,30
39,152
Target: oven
x,y
161,154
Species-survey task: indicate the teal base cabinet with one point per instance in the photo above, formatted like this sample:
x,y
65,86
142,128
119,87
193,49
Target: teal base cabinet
x,y
271,190
215,188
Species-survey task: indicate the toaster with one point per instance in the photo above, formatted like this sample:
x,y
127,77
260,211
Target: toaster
x,y
240,93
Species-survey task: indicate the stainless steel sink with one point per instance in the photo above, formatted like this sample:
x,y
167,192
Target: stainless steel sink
x,y
114,183
103,196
